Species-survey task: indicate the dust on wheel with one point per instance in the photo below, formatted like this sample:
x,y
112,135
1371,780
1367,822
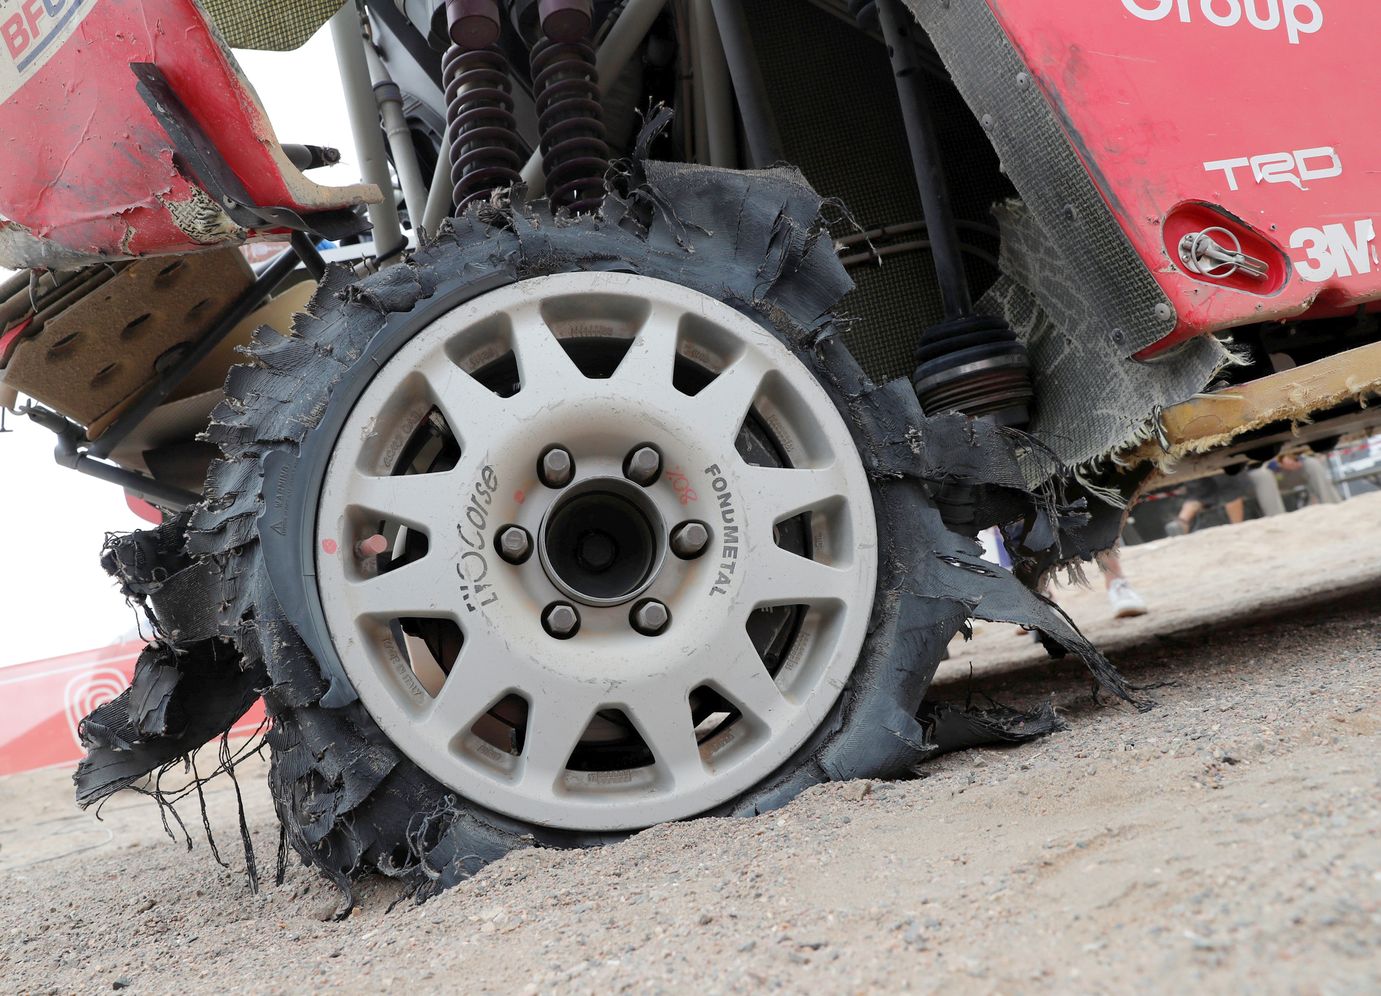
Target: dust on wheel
x,y
671,684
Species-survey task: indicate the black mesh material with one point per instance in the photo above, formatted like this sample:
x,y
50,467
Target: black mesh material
x,y
831,89
269,25
1074,288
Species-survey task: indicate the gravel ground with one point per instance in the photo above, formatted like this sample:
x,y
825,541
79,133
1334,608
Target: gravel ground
x,y
1229,839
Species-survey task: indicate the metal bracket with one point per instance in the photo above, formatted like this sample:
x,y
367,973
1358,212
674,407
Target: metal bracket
x,y
68,454
197,154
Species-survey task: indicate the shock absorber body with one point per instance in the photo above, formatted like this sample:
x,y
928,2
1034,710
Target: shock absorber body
x,y
968,363
480,125
565,83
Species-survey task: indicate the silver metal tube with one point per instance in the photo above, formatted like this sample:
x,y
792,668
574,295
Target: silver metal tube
x,y
713,90
348,38
623,40
440,196
390,100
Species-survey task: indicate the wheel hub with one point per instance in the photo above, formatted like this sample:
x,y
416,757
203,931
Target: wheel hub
x,y
601,684
603,541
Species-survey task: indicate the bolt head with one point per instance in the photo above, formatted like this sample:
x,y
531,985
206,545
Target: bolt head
x,y
689,539
650,617
643,465
515,545
561,620
557,468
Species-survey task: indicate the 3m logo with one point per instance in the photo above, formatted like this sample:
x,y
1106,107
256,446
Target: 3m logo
x,y
1299,17
30,32
1336,251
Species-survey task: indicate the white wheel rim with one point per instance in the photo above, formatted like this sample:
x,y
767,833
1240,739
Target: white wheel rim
x,y
498,606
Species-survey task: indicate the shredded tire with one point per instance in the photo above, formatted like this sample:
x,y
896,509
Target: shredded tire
x,y
350,803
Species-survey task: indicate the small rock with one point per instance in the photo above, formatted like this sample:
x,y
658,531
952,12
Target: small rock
x,y
121,983
145,906
856,791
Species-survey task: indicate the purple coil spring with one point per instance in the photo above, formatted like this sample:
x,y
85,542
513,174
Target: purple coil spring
x,y
575,153
481,127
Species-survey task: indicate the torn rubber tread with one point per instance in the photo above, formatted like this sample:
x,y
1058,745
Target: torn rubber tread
x,y
349,801
189,686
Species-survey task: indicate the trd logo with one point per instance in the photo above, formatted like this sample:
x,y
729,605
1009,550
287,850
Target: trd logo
x,y
28,30
1283,167
1300,17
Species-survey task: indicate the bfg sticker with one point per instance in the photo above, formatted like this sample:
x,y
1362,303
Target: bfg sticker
x,y
31,31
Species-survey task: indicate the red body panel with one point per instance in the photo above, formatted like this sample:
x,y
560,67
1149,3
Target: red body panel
x,y
1253,114
84,163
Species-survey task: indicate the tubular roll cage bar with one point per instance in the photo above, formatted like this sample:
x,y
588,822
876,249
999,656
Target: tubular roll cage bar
x,y
727,80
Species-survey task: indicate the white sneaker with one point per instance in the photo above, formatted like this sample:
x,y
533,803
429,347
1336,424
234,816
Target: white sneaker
x,y
1124,600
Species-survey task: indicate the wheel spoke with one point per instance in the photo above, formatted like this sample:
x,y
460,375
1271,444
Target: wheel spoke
x,y
418,590
663,717
466,403
419,500
741,676
776,577
541,358
723,405
476,681
784,492
651,359
555,726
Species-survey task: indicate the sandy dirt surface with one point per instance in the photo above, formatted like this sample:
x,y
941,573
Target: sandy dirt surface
x,y
1227,840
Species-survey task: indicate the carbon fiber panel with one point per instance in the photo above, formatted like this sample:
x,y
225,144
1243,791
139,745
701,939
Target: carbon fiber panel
x,y
1053,182
1074,288
277,26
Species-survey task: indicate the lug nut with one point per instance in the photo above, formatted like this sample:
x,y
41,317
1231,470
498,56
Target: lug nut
x,y
643,465
561,620
515,545
689,539
650,618
556,468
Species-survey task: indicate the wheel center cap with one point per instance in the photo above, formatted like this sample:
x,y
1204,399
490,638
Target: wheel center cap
x,y
602,541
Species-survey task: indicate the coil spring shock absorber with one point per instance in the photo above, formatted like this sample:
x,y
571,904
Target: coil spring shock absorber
x,y
483,133
570,120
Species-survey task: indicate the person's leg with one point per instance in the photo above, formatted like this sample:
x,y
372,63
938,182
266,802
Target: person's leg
x,y
1267,490
1237,510
1122,596
1182,523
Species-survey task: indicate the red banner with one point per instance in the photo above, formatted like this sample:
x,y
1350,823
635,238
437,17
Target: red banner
x,y
42,702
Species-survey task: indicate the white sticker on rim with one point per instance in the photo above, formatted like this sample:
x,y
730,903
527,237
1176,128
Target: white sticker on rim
x,y
31,32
